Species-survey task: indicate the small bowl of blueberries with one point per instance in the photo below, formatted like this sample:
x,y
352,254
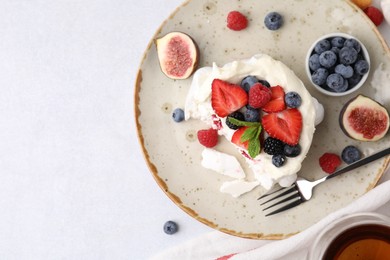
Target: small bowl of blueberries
x,y
337,64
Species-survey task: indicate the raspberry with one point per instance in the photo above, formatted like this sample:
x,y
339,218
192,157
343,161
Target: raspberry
x,y
236,21
374,14
208,137
259,95
329,162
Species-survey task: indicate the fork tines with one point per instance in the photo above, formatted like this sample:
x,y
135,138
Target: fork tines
x,y
290,195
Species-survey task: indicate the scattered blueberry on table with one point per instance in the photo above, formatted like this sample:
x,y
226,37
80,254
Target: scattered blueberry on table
x,y
170,227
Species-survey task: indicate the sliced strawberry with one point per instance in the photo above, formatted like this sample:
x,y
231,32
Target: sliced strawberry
x,y
236,138
226,97
276,103
285,126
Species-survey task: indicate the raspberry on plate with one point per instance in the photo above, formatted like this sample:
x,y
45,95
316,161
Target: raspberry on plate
x,y
375,15
208,137
329,162
236,21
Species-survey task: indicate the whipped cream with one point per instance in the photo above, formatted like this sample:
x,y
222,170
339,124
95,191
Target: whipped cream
x,y
198,106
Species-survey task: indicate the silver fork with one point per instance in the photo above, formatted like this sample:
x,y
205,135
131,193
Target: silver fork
x,y
302,189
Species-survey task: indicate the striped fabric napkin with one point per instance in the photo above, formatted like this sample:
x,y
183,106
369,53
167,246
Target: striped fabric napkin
x,y
220,246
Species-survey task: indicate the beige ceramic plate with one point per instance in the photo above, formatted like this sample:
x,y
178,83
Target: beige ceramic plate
x,y
172,151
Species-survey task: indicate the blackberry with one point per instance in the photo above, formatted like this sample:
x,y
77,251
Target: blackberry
x,y
273,146
237,115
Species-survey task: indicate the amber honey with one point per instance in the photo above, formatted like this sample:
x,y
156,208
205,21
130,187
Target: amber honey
x,y
369,242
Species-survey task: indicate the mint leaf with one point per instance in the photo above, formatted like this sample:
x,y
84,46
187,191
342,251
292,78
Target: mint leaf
x,y
249,133
254,147
242,123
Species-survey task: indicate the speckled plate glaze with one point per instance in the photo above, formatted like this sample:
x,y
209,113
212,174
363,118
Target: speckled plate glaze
x,y
172,151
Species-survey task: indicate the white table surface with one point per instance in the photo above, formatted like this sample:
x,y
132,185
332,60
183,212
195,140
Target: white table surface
x,y
73,182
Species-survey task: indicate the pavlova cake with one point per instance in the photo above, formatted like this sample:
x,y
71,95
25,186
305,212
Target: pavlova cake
x,y
262,108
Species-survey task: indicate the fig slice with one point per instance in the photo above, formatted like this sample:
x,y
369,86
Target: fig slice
x,y
364,119
178,55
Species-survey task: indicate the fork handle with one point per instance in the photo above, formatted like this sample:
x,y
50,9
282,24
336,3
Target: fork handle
x,y
359,163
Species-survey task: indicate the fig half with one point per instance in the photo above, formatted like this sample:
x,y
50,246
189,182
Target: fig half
x,y
364,119
178,55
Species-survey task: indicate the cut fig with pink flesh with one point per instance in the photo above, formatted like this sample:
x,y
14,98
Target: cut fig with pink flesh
x,y
364,119
178,55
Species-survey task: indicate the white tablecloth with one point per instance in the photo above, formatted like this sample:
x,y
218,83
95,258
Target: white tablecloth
x,y
73,182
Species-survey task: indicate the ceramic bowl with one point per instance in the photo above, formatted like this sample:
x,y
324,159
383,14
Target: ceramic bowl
x,y
326,90
353,234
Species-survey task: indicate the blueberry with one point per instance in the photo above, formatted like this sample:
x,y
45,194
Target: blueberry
x,y
314,62
346,85
352,43
291,151
248,82
170,227
264,83
348,55
273,21
252,115
319,76
278,160
361,67
292,99
345,71
338,42
237,115
321,46
336,82
178,115
350,154
335,50
354,80
328,59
